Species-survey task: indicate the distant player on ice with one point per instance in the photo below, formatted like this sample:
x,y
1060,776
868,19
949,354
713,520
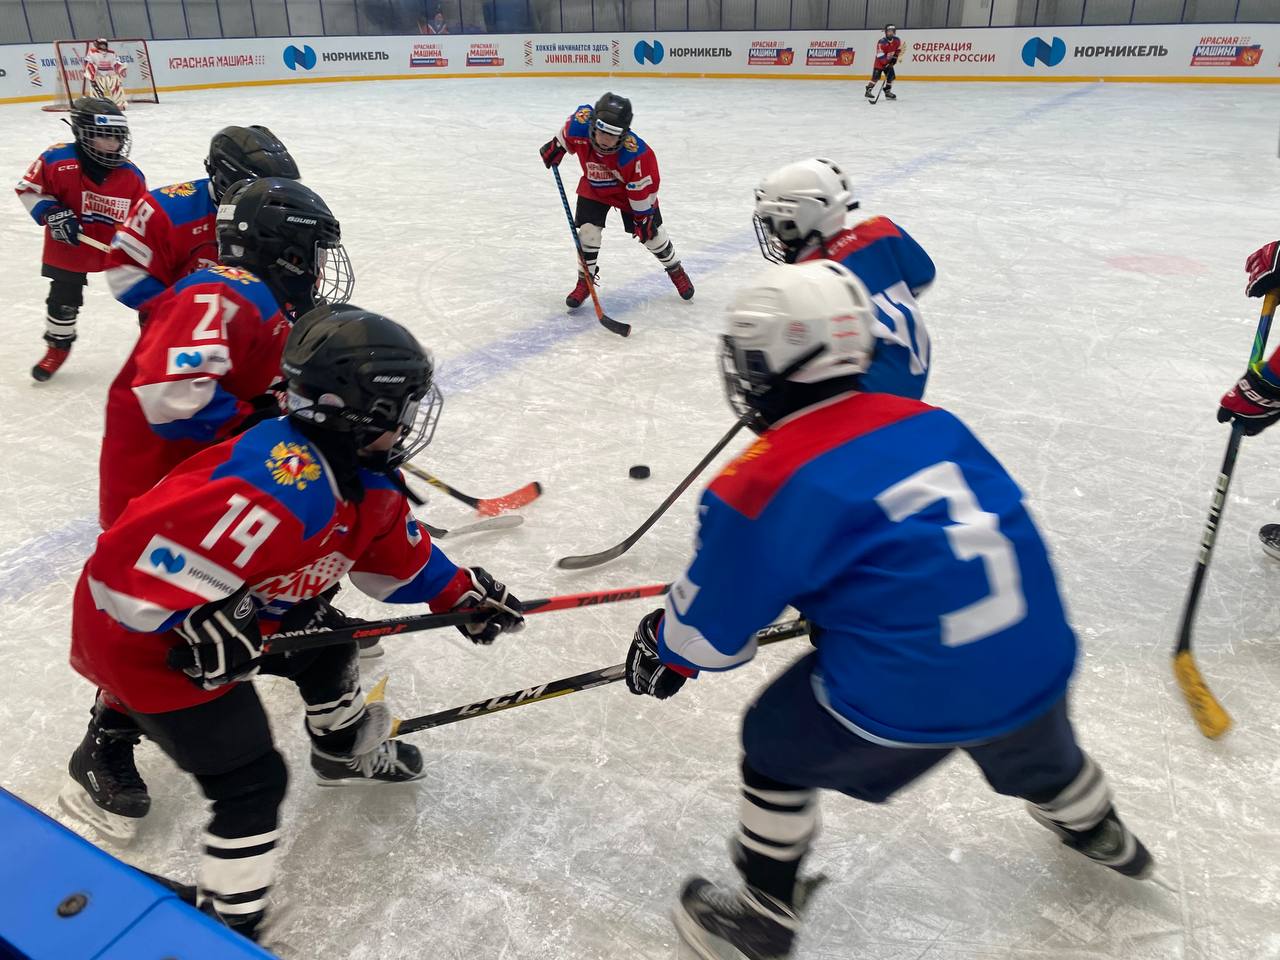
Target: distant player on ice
x,y
888,49
1254,401
802,214
104,73
619,171
937,620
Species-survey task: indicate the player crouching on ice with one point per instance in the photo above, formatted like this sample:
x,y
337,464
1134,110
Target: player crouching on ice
x,y
262,521
888,49
72,189
936,616
619,170
802,213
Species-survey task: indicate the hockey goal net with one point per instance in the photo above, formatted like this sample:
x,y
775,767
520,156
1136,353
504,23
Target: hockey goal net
x,y
71,83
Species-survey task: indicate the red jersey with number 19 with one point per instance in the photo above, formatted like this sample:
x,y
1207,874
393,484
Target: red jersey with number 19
x,y
212,342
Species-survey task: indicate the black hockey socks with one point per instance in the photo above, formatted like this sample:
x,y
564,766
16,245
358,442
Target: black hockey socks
x,y
777,822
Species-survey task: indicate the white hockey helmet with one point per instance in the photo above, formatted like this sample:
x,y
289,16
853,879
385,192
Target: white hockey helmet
x,y
799,324
799,204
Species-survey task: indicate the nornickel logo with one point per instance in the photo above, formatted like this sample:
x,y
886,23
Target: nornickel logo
x,y
652,52
299,57
1050,54
168,560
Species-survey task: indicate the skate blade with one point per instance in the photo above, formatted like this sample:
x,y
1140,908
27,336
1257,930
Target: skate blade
x,y
705,944
75,800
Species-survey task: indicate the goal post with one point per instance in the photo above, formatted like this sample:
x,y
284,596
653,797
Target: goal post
x,y
71,83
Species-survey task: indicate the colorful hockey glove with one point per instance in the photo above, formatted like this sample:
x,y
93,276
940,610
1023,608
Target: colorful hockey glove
x,y
643,227
64,226
646,673
224,643
474,587
1253,402
552,152
1263,267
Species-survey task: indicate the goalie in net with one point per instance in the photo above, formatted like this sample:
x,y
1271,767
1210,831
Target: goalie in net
x,y
118,70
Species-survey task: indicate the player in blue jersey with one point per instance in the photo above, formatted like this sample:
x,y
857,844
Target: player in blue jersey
x,y
936,616
172,232
802,214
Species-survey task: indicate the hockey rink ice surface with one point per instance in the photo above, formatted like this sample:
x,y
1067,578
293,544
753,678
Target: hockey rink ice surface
x,y
1088,313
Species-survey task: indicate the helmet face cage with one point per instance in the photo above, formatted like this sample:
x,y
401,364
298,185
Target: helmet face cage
x,y
746,376
418,419
93,126
335,277
772,247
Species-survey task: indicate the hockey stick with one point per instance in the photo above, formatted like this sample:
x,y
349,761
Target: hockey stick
x,y
96,244
618,549
606,321
479,526
295,640
487,507
773,633
1209,715
878,89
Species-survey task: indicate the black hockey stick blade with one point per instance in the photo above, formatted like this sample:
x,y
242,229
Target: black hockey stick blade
x,y
774,633
615,326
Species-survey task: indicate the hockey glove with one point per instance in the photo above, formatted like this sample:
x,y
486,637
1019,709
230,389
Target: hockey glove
x,y
64,226
646,673
1263,267
552,152
893,61
643,227
474,587
224,643
1253,402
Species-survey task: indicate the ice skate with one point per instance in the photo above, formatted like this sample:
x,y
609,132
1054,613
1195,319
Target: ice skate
x,y
1110,843
55,355
683,285
720,923
105,789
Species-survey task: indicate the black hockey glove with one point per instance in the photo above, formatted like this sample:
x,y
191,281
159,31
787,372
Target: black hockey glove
x,y
1263,267
643,227
224,643
552,152
893,61
474,587
1253,402
646,673
64,226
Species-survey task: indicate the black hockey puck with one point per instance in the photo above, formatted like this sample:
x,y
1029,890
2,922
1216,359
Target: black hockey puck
x,y
639,472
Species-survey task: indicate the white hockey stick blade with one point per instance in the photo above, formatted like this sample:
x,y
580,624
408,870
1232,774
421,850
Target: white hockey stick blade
x,y
504,522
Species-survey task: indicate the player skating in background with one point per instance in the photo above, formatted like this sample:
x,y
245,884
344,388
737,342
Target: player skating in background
x,y
888,49
1254,401
936,614
104,73
85,187
802,214
200,373
196,568
171,232
619,170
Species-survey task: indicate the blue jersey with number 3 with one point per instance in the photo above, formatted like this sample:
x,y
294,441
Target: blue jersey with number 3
x,y
896,270
890,526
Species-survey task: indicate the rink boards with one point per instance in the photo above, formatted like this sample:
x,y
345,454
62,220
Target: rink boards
x,y
1194,53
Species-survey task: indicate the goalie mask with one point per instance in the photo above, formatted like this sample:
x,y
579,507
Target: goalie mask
x,y
797,335
282,231
801,205
101,131
359,374
246,153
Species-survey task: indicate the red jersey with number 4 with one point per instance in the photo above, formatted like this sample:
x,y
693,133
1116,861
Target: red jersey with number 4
x,y
56,179
211,343
627,178
887,49
260,509
170,233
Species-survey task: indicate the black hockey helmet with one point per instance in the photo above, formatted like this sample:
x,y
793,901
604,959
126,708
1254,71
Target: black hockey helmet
x,y
890,29
101,131
246,153
282,231
611,114
360,374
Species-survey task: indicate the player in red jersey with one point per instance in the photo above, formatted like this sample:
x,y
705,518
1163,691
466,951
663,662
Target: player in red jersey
x,y
1254,400
888,49
171,232
620,171
197,572
82,188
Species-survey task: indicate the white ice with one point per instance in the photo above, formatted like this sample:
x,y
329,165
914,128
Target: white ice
x,y
1088,313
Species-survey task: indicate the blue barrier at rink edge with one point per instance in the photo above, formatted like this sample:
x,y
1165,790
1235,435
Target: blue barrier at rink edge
x,y
61,898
